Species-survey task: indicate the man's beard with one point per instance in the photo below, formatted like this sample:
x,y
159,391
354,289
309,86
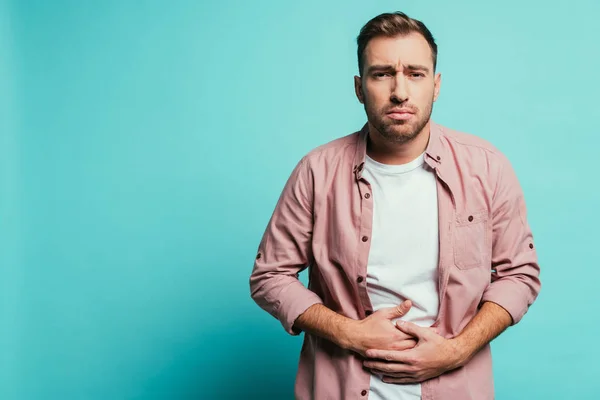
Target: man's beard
x,y
396,131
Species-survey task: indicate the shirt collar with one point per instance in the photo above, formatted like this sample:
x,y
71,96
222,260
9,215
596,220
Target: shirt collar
x,y
433,152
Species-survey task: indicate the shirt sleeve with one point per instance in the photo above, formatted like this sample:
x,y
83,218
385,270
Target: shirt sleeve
x,y
285,251
515,280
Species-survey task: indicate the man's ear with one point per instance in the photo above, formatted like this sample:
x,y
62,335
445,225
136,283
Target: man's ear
x,y
358,89
437,86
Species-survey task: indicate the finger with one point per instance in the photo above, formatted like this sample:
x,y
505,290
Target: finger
x,y
388,367
390,374
395,375
413,329
405,356
404,344
405,380
399,310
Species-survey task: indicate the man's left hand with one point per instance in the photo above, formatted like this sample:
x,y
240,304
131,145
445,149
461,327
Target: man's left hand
x,y
432,356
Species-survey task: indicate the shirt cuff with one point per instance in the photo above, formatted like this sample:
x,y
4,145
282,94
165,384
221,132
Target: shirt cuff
x,y
297,299
508,295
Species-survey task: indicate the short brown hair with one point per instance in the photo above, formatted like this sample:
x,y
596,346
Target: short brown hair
x,y
390,25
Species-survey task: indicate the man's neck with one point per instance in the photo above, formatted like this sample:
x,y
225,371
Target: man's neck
x,y
386,152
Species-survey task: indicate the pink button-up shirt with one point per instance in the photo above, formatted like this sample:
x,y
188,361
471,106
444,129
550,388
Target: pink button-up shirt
x,y
323,220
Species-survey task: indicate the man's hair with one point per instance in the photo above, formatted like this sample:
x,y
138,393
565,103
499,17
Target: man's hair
x,y
391,25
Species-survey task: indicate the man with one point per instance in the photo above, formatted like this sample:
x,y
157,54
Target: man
x,y
416,236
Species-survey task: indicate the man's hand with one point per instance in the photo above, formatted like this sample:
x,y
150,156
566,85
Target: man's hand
x,y
378,331
432,356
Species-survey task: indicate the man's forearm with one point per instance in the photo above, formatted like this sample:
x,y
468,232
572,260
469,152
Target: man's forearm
x,y
488,323
377,331
323,322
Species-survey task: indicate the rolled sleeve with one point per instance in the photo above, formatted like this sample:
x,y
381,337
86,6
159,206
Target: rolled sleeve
x,y
515,282
285,251
296,300
503,293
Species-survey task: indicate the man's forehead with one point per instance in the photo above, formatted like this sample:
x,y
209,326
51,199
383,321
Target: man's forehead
x,y
409,49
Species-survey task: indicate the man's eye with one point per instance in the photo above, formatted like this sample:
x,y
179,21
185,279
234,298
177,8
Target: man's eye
x,y
417,75
382,74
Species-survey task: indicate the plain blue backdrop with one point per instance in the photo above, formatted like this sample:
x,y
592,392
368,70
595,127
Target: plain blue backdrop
x,y
143,145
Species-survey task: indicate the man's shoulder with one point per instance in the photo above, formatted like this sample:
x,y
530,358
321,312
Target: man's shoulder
x,y
467,140
335,150
469,143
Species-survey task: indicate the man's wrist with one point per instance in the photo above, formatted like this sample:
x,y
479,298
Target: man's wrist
x,y
462,350
489,322
320,321
346,334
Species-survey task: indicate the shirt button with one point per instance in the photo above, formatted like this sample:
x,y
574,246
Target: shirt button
x,y
365,238
470,218
367,195
359,279
531,245
438,158
368,312
364,393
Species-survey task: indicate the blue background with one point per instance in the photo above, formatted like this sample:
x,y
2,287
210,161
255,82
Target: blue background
x,y
143,146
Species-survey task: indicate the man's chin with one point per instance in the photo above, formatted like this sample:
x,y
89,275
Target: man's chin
x,y
404,129
400,133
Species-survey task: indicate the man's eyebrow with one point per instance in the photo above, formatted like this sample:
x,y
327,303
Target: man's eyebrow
x,y
412,67
417,67
374,68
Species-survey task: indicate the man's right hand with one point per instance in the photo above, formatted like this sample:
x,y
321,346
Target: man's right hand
x,y
378,331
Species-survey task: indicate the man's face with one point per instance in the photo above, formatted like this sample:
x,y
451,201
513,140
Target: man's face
x,y
398,86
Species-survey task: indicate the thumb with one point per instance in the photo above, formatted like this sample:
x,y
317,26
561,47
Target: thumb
x,y
413,330
399,310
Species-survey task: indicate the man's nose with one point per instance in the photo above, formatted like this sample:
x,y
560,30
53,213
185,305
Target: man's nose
x,y
400,90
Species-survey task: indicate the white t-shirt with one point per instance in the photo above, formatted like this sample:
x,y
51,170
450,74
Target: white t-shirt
x,y
404,253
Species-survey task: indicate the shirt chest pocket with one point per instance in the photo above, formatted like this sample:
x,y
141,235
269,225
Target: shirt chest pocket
x,y
471,240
